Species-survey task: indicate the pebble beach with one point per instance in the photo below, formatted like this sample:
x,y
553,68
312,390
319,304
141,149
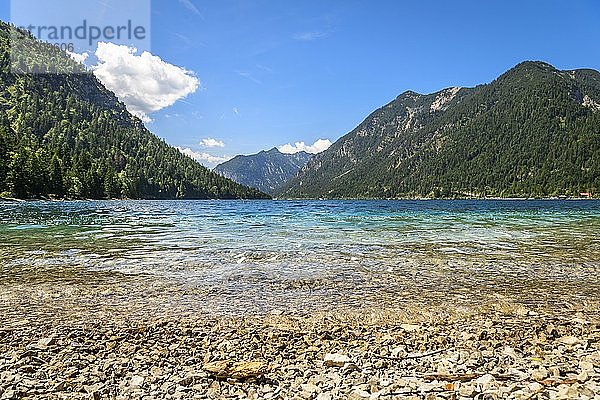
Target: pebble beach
x,y
496,354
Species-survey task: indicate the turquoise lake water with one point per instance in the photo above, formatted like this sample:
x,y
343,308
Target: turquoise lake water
x,y
262,255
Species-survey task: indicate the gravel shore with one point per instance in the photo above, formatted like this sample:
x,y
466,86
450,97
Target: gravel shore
x,y
496,354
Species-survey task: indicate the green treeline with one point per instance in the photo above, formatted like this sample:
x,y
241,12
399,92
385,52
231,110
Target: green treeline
x,y
66,136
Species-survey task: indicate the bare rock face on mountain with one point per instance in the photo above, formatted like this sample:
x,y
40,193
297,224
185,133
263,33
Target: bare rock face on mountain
x,y
266,171
532,132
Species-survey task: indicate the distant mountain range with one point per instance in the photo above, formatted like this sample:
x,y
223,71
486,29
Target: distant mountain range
x,y
532,132
67,136
266,171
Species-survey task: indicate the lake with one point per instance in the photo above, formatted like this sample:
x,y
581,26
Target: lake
x,y
95,259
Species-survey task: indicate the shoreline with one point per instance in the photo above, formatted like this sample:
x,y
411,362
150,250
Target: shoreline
x,y
424,199
330,356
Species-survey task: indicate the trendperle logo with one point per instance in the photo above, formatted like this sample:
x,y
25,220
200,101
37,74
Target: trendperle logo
x,y
77,27
90,33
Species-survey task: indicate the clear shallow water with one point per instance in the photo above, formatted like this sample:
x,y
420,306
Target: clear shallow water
x,y
257,256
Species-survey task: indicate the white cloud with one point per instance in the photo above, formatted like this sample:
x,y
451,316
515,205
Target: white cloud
x,y
317,147
249,76
311,35
80,58
205,159
210,142
190,6
145,83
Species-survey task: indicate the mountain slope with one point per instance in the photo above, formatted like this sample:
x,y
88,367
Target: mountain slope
x,y
266,171
68,136
534,131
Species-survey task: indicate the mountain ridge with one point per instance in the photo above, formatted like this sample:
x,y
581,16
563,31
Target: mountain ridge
x,y
508,138
265,171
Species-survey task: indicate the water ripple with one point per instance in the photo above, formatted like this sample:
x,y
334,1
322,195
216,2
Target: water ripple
x,y
239,253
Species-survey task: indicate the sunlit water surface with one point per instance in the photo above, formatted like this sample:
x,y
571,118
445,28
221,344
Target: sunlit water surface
x,y
236,257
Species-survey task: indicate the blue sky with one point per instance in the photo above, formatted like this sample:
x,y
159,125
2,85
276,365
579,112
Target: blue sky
x,y
273,72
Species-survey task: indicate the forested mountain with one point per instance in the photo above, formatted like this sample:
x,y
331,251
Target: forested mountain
x,y
65,135
532,132
266,171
